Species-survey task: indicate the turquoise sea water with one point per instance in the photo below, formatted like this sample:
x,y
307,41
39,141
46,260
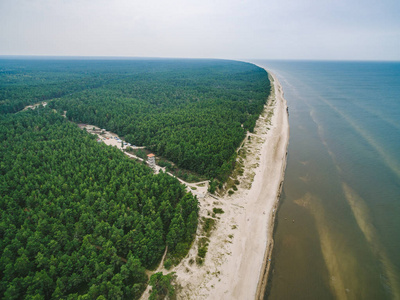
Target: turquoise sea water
x,y
337,232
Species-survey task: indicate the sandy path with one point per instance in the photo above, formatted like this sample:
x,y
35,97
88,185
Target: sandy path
x,y
111,139
240,244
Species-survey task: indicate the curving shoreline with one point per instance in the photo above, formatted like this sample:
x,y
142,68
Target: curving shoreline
x,y
265,270
237,261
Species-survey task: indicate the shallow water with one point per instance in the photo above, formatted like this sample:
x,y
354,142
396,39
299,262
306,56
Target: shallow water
x,y
337,232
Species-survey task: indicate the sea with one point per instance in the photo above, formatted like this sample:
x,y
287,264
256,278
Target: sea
x,y
337,230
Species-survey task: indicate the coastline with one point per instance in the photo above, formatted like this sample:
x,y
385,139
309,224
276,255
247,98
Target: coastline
x,y
238,258
265,270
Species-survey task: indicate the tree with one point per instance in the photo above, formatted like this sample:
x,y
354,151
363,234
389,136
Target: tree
x,y
161,285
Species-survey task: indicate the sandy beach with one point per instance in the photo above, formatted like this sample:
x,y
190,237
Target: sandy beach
x,y
241,242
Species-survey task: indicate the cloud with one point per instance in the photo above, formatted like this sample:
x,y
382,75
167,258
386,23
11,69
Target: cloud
x,y
191,28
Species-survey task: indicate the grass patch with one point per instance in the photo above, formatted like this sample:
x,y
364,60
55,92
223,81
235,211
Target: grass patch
x,y
217,210
202,245
202,251
208,225
242,153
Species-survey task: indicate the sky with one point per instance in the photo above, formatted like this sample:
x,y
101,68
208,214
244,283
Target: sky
x,y
230,29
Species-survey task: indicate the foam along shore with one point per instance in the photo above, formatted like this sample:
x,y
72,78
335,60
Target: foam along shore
x,y
241,242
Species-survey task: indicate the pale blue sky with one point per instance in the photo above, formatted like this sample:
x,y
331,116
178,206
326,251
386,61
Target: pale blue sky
x,y
234,29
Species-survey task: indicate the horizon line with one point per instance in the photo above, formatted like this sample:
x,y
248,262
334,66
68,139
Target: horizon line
x,y
111,57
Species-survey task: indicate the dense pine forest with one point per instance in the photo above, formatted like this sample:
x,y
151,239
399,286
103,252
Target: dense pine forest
x,y
192,112
79,218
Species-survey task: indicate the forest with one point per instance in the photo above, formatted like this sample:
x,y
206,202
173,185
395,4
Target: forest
x,y
194,113
79,218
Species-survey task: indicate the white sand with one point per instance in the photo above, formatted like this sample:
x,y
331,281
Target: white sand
x,y
33,106
241,242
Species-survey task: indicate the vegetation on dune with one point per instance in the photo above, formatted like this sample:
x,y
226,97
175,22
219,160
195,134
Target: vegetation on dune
x,y
78,217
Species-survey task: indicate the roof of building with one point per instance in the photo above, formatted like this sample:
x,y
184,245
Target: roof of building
x,y
150,155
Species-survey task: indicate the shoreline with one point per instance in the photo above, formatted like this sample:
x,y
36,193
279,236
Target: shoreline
x,y
284,123
238,259
265,271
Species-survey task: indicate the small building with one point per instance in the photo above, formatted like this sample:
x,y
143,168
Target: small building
x,y
151,159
